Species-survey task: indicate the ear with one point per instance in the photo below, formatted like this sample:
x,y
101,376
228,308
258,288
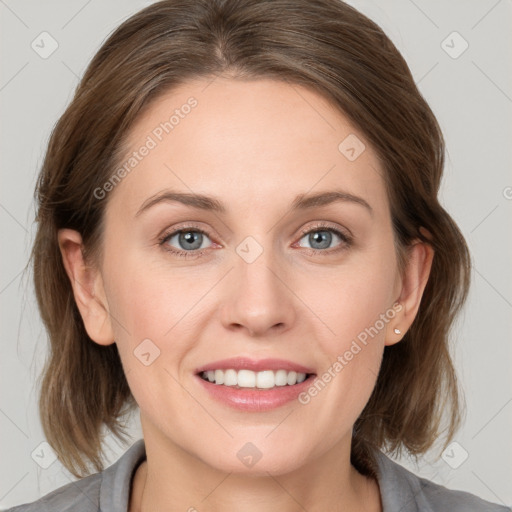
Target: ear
x,y
412,285
87,285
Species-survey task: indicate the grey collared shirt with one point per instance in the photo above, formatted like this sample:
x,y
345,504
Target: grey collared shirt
x,y
109,491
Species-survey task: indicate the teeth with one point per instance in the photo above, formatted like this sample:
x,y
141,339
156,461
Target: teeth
x,y
292,378
281,378
265,379
248,379
218,377
230,378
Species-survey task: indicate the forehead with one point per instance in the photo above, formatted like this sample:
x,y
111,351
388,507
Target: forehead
x,y
239,140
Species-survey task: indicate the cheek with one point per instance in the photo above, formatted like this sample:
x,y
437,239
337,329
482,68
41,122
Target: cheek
x,y
356,304
354,298
154,315
150,311
148,299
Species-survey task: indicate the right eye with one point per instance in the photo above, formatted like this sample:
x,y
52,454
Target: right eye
x,y
190,241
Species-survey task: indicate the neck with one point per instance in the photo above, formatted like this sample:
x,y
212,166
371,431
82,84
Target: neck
x,y
172,479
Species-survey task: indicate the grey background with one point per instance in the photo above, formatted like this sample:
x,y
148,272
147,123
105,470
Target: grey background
x,y
472,97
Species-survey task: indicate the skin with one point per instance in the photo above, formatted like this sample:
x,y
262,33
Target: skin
x,y
255,145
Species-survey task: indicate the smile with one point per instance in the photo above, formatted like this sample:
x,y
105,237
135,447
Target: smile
x,y
252,385
266,379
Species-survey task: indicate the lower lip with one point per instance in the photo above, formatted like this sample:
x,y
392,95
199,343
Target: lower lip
x,y
255,400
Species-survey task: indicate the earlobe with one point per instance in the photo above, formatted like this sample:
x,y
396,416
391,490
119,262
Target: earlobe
x,y
87,285
417,272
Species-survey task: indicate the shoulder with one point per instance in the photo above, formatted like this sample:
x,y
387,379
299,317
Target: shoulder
x,y
441,498
106,491
80,495
403,490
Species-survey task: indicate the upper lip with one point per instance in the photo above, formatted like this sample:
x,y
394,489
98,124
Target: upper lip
x,y
244,363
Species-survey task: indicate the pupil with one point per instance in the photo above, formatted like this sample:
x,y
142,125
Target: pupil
x,y
190,237
325,235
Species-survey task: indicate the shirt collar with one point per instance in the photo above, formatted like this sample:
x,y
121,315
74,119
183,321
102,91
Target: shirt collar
x,y
399,488
117,478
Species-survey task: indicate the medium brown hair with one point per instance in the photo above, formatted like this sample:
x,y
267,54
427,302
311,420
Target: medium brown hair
x,y
324,45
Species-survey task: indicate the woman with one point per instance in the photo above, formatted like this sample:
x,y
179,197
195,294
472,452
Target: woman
x,y
239,234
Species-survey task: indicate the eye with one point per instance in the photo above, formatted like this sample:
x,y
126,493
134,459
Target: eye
x,y
188,241
191,241
322,236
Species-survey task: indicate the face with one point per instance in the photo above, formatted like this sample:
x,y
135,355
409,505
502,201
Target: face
x,y
269,278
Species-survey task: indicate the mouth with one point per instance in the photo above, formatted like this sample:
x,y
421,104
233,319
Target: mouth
x,y
248,379
254,386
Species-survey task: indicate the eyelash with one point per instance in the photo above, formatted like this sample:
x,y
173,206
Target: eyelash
x,y
346,240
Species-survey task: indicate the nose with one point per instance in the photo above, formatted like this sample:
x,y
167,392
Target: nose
x,y
258,298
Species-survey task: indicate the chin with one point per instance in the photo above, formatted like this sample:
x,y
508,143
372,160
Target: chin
x,y
252,458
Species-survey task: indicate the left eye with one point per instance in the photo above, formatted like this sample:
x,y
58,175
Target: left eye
x,y
322,238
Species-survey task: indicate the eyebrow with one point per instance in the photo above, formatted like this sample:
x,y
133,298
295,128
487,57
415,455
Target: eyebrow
x,y
210,203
